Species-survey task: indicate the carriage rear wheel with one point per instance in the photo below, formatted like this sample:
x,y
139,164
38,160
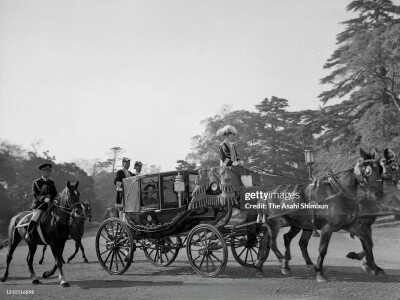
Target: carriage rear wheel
x,y
245,249
114,246
206,250
162,252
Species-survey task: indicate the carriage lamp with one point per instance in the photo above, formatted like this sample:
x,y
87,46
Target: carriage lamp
x,y
179,187
309,159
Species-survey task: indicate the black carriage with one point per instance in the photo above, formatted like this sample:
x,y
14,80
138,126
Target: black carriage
x,y
165,212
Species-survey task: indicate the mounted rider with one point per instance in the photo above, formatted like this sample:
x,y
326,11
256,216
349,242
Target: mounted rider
x,y
44,191
229,157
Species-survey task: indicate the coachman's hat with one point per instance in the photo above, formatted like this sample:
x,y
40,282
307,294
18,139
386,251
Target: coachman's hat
x,y
138,163
227,129
44,166
125,159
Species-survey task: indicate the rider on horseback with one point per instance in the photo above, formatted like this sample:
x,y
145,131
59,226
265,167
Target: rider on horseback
x,y
229,156
44,191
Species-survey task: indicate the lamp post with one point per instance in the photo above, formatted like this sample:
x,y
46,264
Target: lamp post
x,y
310,160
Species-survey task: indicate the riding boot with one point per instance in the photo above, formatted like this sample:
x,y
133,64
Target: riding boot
x,y
29,231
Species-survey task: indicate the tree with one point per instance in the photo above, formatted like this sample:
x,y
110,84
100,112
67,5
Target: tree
x,y
185,165
367,63
115,154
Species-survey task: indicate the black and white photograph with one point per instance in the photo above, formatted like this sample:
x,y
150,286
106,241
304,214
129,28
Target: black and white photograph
x,y
199,149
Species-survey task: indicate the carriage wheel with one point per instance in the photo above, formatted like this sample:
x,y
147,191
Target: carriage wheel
x,y
245,249
111,212
114,246
162,252
206,250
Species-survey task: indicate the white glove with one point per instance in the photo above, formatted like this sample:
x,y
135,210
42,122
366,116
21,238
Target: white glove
x,y
47,200
235,163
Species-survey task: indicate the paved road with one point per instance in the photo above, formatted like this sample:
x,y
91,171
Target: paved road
x,y
178,281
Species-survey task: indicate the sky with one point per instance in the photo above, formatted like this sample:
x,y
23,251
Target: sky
x,y
85,76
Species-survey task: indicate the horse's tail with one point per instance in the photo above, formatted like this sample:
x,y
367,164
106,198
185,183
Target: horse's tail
x,y
11,228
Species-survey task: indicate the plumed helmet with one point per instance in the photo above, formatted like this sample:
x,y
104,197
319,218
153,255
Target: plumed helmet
x,y
227,129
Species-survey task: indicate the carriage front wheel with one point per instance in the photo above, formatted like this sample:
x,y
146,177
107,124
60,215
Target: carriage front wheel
x,y
114,246
206,250
245,249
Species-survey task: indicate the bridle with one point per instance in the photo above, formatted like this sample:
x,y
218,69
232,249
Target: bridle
x,y
361,175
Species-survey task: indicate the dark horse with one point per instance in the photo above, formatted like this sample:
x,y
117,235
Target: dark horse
x,y
342,194
391,188
76,230
55,231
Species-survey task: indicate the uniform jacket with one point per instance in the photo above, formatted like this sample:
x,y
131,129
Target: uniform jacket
x,y
225,154
41,189
118,178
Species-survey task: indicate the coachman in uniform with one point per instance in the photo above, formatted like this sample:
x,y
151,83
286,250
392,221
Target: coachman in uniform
x,y
121,174
44,191
229,157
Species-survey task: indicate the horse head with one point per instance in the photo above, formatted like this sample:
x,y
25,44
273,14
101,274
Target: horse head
x,y
368,173
70,195
390,167
82,211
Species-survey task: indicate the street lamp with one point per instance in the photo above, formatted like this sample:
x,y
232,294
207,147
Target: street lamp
x,y
309,158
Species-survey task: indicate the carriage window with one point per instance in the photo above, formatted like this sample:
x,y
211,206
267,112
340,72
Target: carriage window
x,y
170,197
150,195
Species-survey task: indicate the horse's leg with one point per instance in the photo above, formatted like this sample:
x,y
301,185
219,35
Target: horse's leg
x,y
76,251
326,234
43,251
303,243
285,270
14,239
57,252
83,251
288,237
29,259
364,233
354,255
263,251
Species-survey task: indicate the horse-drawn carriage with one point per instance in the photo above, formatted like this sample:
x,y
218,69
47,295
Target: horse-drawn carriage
x,y
165,212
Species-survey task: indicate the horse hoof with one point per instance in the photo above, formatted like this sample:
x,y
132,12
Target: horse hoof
x,y
46,275
65,284
285,271
36,281
260,274
351,255
85,260
40,262
379,271
366,269
3,279
321,278
259,264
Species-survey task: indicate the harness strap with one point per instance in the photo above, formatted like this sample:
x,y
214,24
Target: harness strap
x,y
39,230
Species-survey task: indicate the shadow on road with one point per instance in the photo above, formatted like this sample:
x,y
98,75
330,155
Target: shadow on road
x,y
337,273
105,284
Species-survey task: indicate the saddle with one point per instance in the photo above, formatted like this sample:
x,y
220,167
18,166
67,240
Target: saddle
x,y
24,222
